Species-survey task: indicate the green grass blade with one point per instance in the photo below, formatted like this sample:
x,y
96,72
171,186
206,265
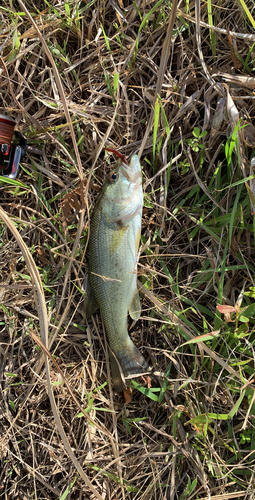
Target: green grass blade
x,y
147,17
247,12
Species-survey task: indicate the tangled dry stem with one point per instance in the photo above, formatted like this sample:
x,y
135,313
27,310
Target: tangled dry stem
x,y
146,448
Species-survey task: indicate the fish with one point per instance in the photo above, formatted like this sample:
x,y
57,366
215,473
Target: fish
x,y
115,231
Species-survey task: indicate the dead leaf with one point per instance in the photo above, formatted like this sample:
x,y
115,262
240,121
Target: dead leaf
x,y
41,255
236,61
127,395
226,309
248,133
241,80
70,204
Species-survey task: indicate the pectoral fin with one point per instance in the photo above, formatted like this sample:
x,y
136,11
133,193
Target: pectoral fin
x,y
137,242
90,303
117,238
135,308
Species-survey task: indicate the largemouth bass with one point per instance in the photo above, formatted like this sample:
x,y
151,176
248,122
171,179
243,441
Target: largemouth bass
x,y
115,232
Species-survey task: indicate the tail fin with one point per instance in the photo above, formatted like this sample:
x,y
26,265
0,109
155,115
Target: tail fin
x,y
127,364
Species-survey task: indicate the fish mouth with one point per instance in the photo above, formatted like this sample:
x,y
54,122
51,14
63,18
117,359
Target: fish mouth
x,y
131,200
132,172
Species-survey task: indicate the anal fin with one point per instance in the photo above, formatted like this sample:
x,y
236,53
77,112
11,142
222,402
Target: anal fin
x,y
135,308
90,303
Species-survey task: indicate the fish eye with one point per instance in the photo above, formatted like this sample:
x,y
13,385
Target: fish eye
x,y
113,177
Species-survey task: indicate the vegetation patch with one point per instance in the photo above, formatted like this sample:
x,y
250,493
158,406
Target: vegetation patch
x,y
175,85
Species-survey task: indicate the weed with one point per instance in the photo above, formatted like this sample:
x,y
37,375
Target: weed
x,y
192,434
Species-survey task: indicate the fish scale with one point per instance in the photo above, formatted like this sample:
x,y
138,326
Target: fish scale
x,y
114,238
115,289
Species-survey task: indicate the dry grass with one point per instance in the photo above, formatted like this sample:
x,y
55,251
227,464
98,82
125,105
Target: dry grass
x,y
76,76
